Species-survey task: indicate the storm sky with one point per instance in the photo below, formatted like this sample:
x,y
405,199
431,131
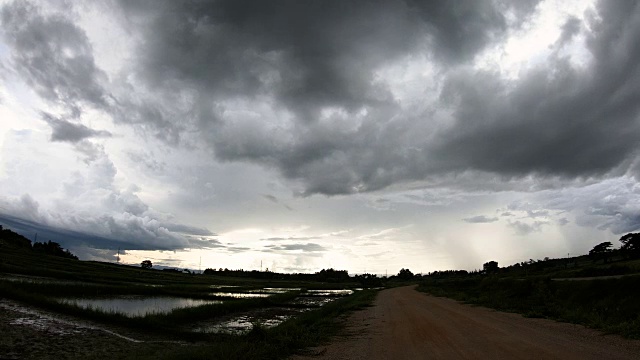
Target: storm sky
x,y
359,135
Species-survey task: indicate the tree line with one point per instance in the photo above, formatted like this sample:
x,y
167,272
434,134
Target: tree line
x,y
13,239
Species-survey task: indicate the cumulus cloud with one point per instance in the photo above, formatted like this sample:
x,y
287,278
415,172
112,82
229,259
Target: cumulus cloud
x,y
92,210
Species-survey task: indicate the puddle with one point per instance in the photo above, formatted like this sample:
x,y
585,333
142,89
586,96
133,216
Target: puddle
x,y
223,286
138,306
239,295
243,322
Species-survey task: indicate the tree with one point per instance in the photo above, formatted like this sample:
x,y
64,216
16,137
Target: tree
x,y
631,245
53,248
405,274
368,280
601,251
490,267
146,264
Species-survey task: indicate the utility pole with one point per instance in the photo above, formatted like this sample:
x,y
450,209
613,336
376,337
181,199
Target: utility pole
x,y
260,265
200,266
118,256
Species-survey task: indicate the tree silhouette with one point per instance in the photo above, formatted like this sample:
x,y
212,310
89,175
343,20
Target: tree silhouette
x,y
490,267
631,245
146,264
405,274
53,248
601,251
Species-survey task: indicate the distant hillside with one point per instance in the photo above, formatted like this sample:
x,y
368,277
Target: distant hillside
x,y
15,240
10,238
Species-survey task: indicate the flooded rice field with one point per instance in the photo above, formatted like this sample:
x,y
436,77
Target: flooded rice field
x,y
236,323
138,305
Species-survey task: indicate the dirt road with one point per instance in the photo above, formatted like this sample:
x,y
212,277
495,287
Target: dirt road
x,y
406,324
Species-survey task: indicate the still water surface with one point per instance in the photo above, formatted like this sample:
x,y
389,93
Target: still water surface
x,y
138,306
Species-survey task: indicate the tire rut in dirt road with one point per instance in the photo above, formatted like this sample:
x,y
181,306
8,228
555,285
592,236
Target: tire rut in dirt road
x,y
406,324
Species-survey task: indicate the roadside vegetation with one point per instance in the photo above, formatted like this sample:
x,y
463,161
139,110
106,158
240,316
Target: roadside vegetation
x,y
599,290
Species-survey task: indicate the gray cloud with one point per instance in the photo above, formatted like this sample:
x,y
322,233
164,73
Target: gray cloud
x,y
53,55
63,130
557,120
296,87
308,247
298,238
308,58
147,162
479,219
523,228
188,230
610,205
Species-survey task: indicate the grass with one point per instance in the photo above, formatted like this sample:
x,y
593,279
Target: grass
x,y
610,305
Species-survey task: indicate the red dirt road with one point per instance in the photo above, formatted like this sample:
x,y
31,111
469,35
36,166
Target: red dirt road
x,y
406,324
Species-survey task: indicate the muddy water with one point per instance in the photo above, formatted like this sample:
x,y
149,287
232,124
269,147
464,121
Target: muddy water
x,y
243,322
138,306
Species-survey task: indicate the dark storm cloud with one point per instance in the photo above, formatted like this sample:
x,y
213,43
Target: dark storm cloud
x,y
63,130
461,28
126,236
308,57
188,230
296,86
67,238
53,55
480,219
557,120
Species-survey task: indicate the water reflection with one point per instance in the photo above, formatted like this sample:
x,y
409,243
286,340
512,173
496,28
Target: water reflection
x,y
313,301
342,292
138,306
240,295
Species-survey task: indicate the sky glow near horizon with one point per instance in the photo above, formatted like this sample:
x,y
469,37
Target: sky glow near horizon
x,y
367,136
